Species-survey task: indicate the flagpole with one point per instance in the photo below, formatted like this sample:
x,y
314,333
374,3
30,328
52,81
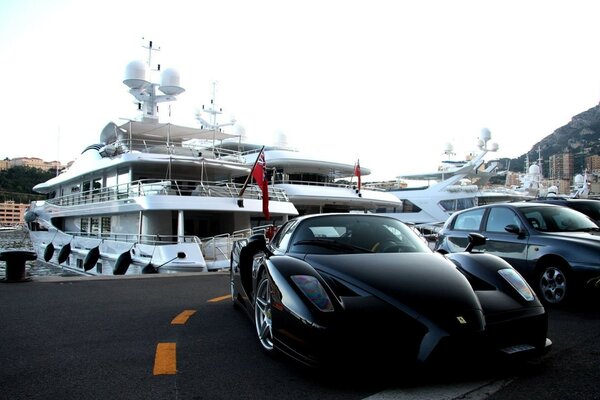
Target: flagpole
x,y
250,174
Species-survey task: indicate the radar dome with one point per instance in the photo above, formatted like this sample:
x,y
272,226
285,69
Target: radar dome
x,y
169,82
534,169
578,179
494,147
448,148
485,134
136,74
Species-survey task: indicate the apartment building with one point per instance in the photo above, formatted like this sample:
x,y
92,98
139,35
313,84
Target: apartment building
x,y
12,213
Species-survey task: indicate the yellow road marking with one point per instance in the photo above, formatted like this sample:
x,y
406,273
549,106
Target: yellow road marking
x,y
216,299
165,362
183,317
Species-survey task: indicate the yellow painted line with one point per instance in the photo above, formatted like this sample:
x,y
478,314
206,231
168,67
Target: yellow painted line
x,y
165,360
183,317
217,299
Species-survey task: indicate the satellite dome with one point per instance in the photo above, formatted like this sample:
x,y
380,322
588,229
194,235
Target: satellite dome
x,y
578,179
136,75
534,169
169,83
485,134
494,147
448,148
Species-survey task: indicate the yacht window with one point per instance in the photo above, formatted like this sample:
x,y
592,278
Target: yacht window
x,y
105,224
95,225
123,181
408,206
84,225
86,189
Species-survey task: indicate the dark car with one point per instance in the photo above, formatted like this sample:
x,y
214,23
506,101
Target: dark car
x,y
336,286
556,248
590,207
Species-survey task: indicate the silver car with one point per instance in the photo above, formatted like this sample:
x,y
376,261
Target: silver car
x,y
556,248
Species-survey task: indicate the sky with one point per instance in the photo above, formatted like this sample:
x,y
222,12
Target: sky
x,y
390,83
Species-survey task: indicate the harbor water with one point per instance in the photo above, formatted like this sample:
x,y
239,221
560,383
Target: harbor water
x,y
19,240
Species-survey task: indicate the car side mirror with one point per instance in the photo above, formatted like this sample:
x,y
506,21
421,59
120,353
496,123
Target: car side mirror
x,y
257,242
512,228
475,239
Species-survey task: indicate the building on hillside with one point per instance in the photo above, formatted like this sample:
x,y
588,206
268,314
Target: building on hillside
x,y
34,162
12,213
592,165
561,166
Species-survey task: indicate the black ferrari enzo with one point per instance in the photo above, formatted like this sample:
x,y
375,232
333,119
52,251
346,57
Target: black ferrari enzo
x,y
332,286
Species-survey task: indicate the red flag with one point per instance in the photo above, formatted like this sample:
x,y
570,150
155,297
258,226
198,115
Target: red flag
x,y
357,172
259,173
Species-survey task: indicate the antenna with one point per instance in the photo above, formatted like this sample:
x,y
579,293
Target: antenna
x,y
151,48
213,112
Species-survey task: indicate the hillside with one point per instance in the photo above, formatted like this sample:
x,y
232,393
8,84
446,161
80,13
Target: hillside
x,y
580,137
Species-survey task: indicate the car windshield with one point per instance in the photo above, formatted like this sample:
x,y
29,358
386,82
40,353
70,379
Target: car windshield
x,y
558,219
351,233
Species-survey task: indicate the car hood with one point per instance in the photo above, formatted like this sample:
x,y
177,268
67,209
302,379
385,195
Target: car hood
x,y
425,285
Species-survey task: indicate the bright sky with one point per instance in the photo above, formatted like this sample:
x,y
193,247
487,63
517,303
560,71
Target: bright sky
x,y
389,82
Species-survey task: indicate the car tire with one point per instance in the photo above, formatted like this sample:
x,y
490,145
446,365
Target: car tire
x,y
553,284
262,314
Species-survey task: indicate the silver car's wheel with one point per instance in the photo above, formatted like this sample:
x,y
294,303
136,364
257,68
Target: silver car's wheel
x,y
262,314
552,283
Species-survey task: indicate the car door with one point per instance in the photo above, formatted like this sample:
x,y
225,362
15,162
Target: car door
x,y
506,236
456,237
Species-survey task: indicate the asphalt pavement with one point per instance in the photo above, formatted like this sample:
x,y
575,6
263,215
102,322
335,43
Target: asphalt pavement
x,y
177,336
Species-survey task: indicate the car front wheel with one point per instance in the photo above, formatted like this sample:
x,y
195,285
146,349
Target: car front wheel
x,y
552,284
262,314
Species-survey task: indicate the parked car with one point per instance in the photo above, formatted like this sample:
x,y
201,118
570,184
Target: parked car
x,y
589,207
556,248
334,286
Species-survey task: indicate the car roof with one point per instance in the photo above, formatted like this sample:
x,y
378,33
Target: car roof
x,y
563,200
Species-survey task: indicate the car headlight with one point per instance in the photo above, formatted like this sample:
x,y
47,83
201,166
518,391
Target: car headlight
x,y
518,283
312,288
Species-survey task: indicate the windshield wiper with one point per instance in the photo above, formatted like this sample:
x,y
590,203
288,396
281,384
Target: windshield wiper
x,y
591,229
333,244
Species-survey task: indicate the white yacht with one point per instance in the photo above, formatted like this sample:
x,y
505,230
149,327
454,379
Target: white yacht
x,y
458,185
151,197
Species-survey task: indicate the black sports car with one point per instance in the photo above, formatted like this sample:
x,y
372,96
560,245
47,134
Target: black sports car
x,y
332,286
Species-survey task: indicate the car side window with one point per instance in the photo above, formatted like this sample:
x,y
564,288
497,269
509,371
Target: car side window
x,y
500,217
469,221
280,241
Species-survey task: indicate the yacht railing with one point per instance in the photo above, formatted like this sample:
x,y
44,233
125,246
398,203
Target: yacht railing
x,y
220,246
150,187
155,240
199,148
344,185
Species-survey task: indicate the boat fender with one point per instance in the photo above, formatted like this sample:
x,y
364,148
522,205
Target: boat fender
x,y
64,252
122,263
48,252
91,258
